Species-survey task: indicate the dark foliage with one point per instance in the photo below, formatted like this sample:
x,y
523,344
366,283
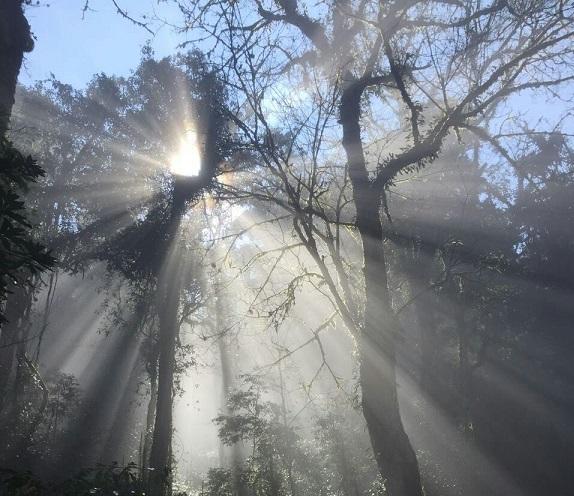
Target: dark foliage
x,y
20,254
104,480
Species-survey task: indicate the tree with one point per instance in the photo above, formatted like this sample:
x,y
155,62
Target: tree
x,y
281,458
21,257
19,251
15,40
115,129
185,92
358,56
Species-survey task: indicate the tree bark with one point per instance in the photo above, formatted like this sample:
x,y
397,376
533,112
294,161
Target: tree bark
x,y
150,416
9,333
394,454
225,365
15,40
13,336
465,372
38,417
169,289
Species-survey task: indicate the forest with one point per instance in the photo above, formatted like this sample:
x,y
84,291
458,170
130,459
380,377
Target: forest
x,y
301,248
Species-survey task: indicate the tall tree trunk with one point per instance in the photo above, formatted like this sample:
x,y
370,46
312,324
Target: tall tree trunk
x,y
169,289
394,454
465,372
224,362
38,416
8,338
15,40
13,337
150,415
21,347
289,461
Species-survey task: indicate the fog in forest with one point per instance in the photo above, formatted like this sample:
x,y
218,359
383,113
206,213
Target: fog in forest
x,y
286,247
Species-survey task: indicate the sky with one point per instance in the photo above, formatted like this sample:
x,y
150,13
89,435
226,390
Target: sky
x,y
74,45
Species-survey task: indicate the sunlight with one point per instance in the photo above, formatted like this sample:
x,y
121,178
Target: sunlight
x,y
263,248
187,160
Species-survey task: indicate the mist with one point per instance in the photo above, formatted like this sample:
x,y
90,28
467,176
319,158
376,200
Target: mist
x,y
286,248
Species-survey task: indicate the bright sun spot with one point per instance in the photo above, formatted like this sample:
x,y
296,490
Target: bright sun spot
x,y
187,160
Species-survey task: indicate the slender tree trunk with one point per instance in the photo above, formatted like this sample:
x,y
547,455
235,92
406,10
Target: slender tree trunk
x,y
14,337
21,347
159,456
52,283
38,416
289,461
8,336
150,417
15,40
465,379
225,365
169,289
394,454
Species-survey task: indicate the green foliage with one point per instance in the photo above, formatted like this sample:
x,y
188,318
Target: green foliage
x,y
545,213
34,435
257,422
249,416
332,461
104,480
14,483
20,254
219,482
